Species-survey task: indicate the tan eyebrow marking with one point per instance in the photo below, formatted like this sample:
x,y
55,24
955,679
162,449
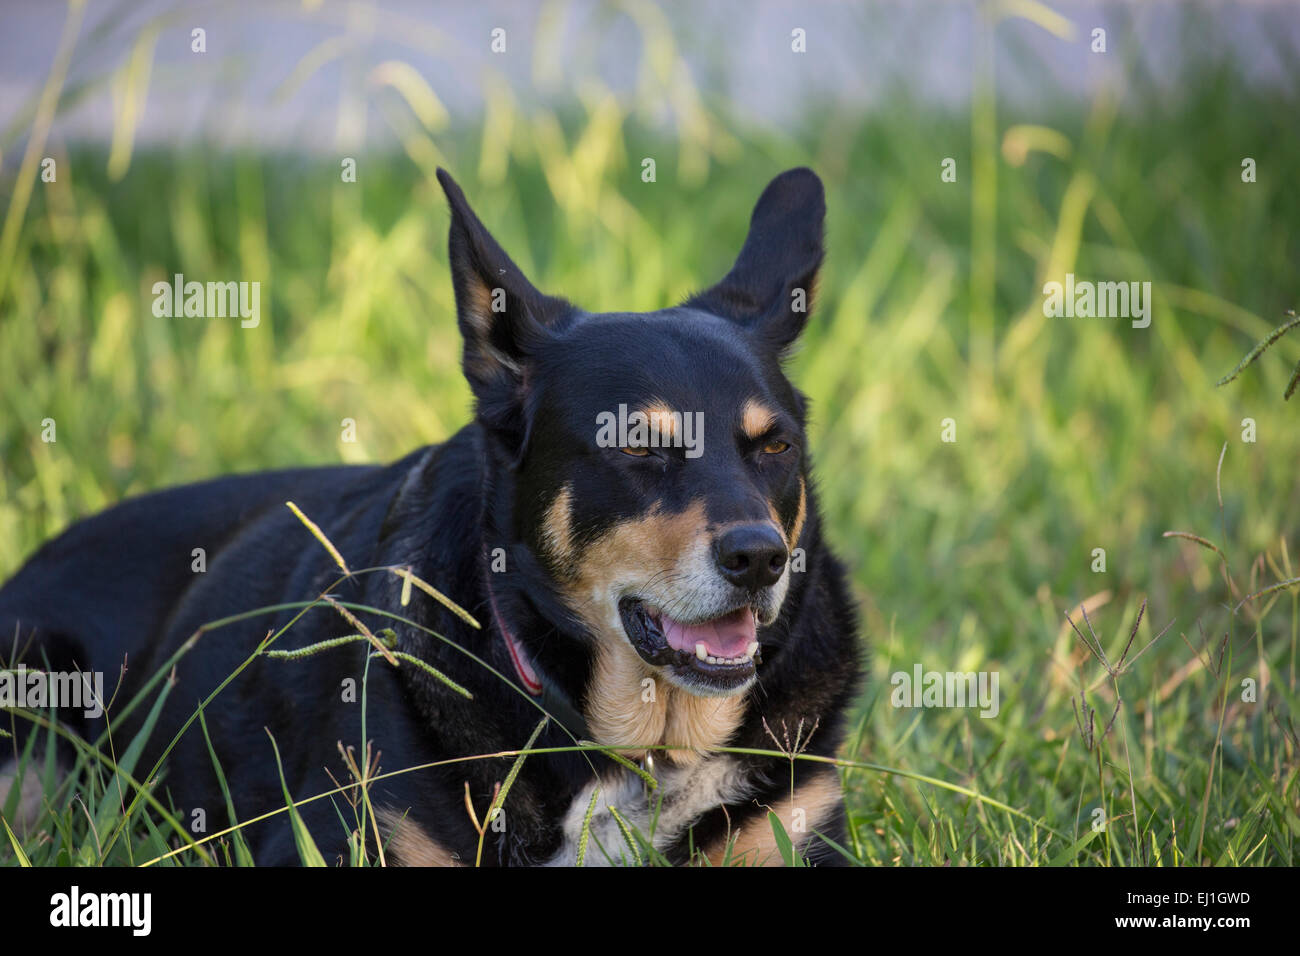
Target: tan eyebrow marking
x,y
756,418
662,417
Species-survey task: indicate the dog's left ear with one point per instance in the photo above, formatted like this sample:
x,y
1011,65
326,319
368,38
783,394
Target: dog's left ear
x,y
502,317
770,288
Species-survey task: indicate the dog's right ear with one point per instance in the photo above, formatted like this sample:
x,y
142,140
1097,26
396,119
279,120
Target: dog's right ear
x,y
502,317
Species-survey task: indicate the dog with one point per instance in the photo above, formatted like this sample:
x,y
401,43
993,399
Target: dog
x,y
623,547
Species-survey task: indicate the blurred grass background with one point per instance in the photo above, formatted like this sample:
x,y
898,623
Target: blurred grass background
x,y
1072,434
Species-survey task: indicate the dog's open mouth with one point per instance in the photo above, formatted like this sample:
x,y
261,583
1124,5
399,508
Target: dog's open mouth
x,y
721,654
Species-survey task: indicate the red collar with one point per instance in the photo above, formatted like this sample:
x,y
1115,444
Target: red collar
x,y
553,701
518,656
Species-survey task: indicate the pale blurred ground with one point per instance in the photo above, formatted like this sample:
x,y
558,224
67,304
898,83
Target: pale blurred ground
x,y
298,74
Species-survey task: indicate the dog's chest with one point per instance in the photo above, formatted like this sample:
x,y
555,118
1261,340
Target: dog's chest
x,y
626,805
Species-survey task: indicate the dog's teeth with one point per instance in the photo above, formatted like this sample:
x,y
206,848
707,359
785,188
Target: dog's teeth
x,y
701,652
752,649
712,660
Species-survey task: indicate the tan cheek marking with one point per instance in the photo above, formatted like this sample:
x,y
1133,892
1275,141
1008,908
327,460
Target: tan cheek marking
x,y
756,418
754,843
616,712
799,515
792,533
633,550
409,845
557,531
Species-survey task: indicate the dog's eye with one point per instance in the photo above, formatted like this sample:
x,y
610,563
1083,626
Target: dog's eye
x,y
635,452
775,447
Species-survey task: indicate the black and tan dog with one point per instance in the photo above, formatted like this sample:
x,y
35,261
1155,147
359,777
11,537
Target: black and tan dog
x,y
630,517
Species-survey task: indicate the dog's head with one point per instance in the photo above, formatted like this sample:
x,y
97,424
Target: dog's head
x,y
657,460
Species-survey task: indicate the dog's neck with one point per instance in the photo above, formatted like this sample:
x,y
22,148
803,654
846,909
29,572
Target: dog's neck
x,y
558,702
545,643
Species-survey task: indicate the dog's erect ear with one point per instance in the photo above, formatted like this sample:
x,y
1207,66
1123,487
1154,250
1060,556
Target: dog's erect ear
x,y
770,288
502,317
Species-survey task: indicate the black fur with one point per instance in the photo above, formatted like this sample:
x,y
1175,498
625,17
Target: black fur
x,y
117,589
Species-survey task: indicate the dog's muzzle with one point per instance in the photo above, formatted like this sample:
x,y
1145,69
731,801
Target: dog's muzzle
x,y
716,657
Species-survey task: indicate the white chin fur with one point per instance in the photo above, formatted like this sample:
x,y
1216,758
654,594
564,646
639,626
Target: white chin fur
x,y
704,690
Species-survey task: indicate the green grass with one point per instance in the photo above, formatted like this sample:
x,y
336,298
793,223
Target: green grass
x,y
1072,434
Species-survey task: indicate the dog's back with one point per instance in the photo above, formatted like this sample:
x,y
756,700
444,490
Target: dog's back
x,y
109,584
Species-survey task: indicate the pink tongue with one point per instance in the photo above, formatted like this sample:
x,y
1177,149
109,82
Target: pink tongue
x,y
728,636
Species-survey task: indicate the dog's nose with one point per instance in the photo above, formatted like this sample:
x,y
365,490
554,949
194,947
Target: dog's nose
x,y
751,556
